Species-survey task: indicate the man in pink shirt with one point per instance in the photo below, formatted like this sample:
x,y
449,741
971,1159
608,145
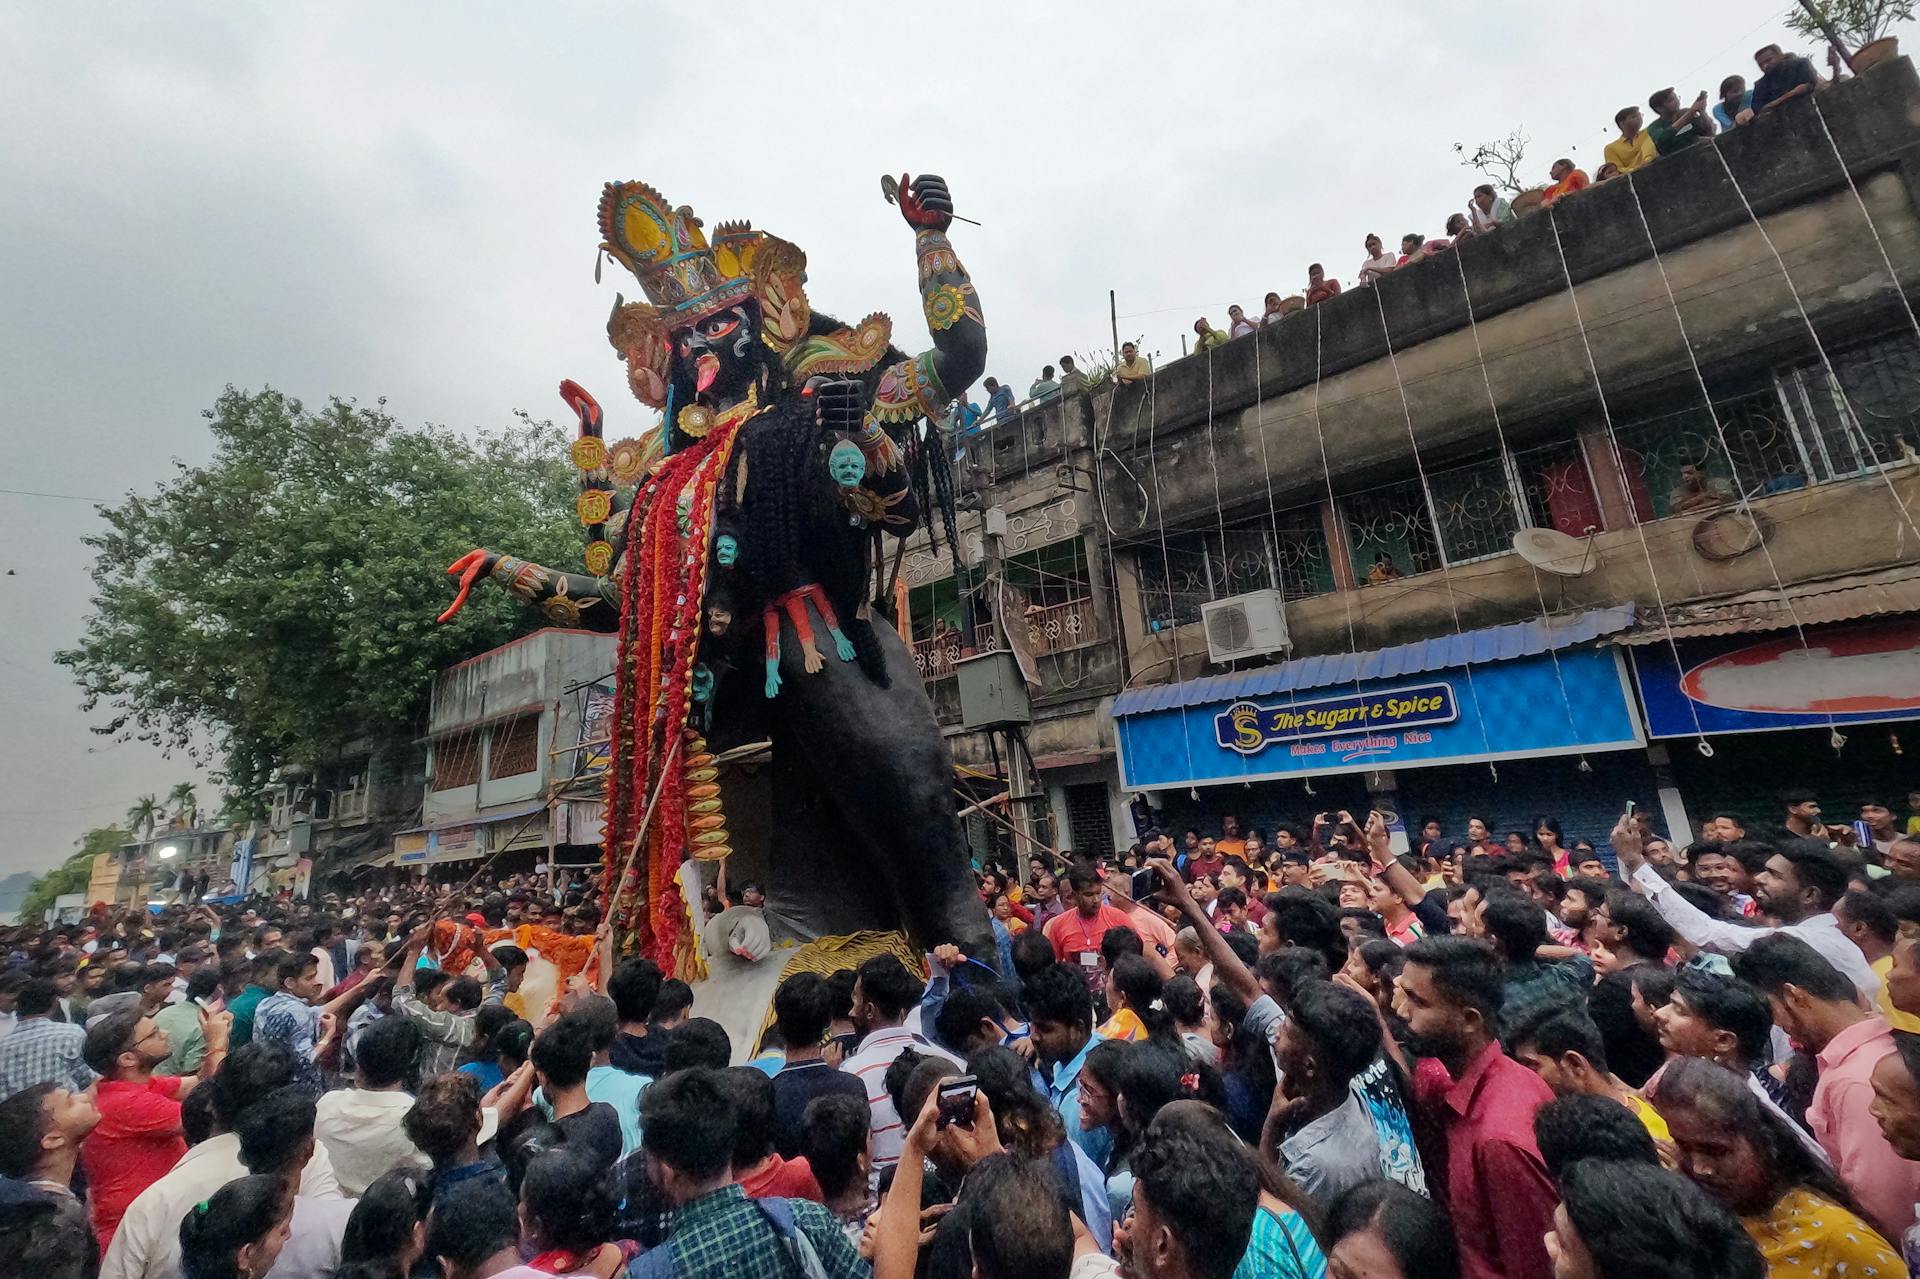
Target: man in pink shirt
x,y
1819,1008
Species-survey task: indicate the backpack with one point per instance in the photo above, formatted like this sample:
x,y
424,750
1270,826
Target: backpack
x,y
657,1263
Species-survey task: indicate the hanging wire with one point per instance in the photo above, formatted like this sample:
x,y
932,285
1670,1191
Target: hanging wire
x,y
1620,468
1333,506
1166,565
1848,422
1506,457
1898,290
1273,514
1745,504
1446,573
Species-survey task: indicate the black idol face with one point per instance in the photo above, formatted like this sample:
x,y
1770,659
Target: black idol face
x,y
717,358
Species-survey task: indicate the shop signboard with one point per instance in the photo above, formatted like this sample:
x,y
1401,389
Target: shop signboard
x,y
1250,727
455,843
1551,704
1859,673
596,730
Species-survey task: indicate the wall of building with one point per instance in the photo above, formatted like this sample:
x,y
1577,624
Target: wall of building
x,y
1381,383
541,675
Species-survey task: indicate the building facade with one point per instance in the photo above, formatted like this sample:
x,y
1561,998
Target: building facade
x,y
1705,380
517,744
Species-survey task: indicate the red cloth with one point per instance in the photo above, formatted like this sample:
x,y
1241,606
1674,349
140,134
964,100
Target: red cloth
x,y
1497,1187
781,1178
1209,866
137,1142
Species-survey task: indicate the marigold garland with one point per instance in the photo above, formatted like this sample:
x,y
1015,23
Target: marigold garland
x,y
665,582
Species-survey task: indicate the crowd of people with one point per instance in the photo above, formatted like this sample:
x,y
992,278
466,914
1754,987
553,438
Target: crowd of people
x,y
1214,1057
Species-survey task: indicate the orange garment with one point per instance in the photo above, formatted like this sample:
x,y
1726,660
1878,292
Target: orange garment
x,y
1575,181
1124,1025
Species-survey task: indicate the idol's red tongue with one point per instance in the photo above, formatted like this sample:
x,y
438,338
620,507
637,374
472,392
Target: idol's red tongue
x,y
705,370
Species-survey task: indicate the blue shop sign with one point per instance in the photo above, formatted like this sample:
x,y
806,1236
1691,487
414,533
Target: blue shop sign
x,y
1525,707
1249,728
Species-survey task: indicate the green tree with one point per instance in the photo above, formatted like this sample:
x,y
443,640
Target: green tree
x,y
282,597
71,876
182,801
144,814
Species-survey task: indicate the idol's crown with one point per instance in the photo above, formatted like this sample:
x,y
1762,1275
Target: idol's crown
x,y
668,253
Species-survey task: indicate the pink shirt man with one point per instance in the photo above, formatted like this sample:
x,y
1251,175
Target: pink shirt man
x,y
1886,1185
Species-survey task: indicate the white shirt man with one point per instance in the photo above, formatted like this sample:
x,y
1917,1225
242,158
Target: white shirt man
x,y
360,1130
147,1244
1820,931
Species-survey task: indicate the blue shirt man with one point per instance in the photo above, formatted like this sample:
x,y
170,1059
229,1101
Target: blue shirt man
x,y
999,400
1064,1092
1726,112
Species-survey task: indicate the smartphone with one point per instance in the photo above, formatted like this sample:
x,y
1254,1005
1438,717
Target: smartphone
x,y
956,1101
1629,808
1145,884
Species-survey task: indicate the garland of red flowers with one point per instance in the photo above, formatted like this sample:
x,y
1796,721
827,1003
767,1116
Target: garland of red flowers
x,y
659,642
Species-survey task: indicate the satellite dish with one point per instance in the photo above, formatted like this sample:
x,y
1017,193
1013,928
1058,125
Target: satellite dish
x,y
1552,551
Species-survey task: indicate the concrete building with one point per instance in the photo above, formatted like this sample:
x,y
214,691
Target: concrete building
x,y
516,742
1736,312
158,863
327,822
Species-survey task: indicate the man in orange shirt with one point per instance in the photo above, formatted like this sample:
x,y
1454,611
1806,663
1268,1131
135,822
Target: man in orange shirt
x,y
1075,935
1566,180
1231,842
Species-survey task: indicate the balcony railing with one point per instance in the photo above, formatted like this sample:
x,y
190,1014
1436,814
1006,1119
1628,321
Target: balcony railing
x,y
1059,627
937,654
1052,629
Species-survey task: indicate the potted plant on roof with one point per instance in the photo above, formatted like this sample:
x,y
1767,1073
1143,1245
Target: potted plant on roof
x,y
1863,25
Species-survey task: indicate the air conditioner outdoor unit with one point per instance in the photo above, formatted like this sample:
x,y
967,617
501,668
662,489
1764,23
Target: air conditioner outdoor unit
x,y
1251,625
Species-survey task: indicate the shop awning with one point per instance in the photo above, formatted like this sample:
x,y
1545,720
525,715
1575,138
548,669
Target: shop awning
x,y
1834,599
1469,648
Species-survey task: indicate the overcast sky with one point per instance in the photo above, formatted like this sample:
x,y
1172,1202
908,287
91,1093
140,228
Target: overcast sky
x,y
398,200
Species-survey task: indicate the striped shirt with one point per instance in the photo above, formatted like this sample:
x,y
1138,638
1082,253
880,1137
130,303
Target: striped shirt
x,y
869,1064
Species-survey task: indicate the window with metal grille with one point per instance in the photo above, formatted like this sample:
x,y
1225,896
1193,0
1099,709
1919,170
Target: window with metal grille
x,y
456,761
1474,510
515,747
1558,488
1391,532
1089,827
1286,552
1778,431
